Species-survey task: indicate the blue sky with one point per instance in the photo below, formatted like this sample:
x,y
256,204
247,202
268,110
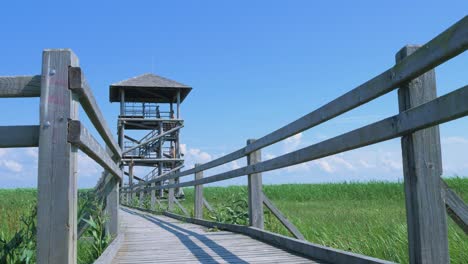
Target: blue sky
x,y
254,67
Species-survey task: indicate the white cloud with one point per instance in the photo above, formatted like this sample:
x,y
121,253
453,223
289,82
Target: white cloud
x,y
194,155
3,152
11,165
454,140
292,143
32,152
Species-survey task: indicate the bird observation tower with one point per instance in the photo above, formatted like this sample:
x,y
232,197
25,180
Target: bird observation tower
x,y
149,125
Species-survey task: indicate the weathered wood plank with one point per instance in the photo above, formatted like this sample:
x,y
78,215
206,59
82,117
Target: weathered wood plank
x,y
276,212
79,85
20,86
422,168
19,136
456,207
198,201
57,190
304,248
186,213
254,187
79,136
443,109
443,47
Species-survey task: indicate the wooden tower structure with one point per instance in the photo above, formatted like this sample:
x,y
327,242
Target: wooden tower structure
x,y
149,125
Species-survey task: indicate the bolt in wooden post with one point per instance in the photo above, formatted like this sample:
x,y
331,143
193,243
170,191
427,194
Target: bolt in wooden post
x,y
171,196
57,189
255,190
198,206
422,167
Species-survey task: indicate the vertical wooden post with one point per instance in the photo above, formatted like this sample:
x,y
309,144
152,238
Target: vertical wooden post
x,y
171,197
142,197
422,167
255,190
161,191
153,196
198,206
130,184
57,190
112,205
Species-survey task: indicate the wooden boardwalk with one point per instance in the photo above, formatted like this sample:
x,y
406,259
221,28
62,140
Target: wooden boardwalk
x,y
161,239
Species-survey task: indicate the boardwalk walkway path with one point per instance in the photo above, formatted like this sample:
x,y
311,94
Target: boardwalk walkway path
x,y
160,239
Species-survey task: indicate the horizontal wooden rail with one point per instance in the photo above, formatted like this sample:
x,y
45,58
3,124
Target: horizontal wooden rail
x,y
302,247
445,108
19,136
20,86
80,136
79,85
445,46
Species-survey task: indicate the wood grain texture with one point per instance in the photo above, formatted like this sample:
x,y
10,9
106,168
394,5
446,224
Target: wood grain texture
x,y
19,136
443,47
79,136
254,189
422,168
160,239
20,86
78,84
57,187
282,218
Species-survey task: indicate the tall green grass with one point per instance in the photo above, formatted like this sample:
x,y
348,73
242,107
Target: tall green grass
x,y
17,226
365,218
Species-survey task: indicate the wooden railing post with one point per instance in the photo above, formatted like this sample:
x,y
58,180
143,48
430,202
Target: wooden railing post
x,y
422,167
57,189
161,191
198,206
153,196
171,197
111,192
255,190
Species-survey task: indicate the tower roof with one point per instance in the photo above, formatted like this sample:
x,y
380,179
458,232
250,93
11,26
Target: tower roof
x,y
149,88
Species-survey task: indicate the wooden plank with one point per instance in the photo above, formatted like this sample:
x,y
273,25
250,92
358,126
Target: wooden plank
x,y
111,192
254,186
440,49
443,109
304,248
456,207
198,201
20,86
282,218
19,136
79,136
422,168
79,85
171,197
57,189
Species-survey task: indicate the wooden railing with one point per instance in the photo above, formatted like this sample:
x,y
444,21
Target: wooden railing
x,y
61,88
420,112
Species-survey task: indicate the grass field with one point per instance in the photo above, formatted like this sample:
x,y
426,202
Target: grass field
x,y
366,218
